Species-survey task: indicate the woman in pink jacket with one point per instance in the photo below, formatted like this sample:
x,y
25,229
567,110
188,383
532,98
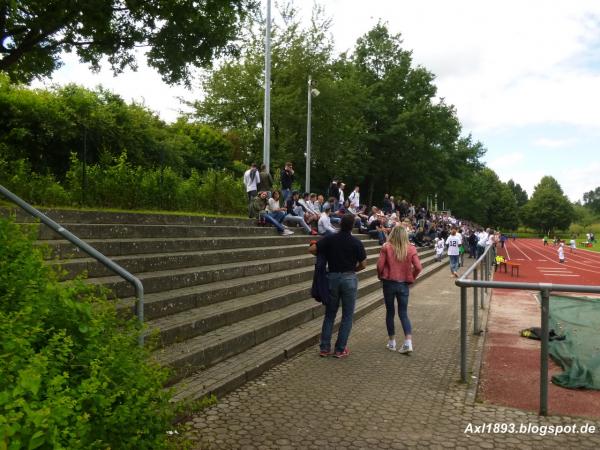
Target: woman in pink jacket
x,y
398,266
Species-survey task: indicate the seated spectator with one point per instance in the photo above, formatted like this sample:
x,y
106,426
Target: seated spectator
x,y
375,226
294,214
260,211
325,227
310,215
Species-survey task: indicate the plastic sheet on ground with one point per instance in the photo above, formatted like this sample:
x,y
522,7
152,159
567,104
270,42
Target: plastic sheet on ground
x,y
578,318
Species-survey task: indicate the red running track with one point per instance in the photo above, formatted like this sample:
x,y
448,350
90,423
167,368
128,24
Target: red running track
x,y
511,364
539,263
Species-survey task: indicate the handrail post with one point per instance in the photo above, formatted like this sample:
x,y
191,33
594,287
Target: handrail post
x,y
544,353
475,307
463,334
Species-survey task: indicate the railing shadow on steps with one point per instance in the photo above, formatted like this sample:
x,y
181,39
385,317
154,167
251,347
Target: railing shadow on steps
x,y
107,262
483,266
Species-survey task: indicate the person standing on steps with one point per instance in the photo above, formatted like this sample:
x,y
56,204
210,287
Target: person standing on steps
x,y
266,181
287,178
453,243
345,256
251,181
398,267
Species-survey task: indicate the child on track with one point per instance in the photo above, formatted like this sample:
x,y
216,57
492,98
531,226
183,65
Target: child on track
x,y
561,253
573,245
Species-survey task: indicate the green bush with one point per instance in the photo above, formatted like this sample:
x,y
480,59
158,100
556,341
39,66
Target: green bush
x,y
17,177
116,183
71,373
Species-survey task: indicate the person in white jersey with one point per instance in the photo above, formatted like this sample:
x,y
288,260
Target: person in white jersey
x,y
453,242
439,249
561,253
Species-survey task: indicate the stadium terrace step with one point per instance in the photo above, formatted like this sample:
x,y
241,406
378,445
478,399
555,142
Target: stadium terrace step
x,y
63,216
235,370
225,299
174,301
203,320
122,247
184,260
162,280
128,231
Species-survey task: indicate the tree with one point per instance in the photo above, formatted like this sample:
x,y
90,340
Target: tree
x,y
201,146
518,191
548,209
591,200
181,34
486,200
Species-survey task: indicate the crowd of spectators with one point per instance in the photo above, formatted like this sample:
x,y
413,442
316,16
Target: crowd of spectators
x,y
319,214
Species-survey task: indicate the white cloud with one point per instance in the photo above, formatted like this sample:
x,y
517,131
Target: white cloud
x,y
507,161
554,143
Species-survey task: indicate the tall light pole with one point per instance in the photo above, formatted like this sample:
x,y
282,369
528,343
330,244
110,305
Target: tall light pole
x,y
312,91
267,108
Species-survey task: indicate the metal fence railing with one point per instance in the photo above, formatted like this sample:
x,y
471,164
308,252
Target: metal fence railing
x,y
478,277
137,284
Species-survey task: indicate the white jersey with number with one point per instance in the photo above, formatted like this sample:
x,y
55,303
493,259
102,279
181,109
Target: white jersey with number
x,y
453,242
439,247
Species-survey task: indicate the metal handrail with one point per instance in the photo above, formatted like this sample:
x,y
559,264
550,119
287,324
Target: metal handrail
x,y
484,283
107,262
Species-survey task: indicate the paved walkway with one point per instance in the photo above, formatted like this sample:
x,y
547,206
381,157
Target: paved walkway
x,y
377,398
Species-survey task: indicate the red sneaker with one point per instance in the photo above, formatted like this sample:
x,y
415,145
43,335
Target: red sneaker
x,y
343,354
325,353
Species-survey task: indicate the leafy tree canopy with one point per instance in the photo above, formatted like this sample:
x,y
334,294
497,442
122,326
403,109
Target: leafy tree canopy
x,y
519,192
548,209
178,35
591,200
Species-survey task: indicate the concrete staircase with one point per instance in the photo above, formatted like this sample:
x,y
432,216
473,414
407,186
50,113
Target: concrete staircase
x,y
227,299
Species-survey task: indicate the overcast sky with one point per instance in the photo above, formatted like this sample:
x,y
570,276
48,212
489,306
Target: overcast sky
x,y
523,75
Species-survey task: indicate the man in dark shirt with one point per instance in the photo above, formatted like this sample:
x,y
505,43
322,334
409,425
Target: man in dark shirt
x,y
287,178
345,256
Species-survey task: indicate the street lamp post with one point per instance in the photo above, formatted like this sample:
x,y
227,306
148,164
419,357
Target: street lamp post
x,y
312,91
267,108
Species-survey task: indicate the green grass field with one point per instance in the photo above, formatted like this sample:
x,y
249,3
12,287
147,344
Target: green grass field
x,y
595,247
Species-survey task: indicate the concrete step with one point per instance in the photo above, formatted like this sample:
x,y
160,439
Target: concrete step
x,y
164,280
134,231
160,304
62,216
197,321
210,348
236,370
182,260
63,249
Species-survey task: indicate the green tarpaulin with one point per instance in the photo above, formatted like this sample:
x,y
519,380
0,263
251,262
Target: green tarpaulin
x,y
577,318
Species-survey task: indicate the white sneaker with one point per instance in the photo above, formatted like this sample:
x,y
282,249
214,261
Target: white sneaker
x,y
287,232
406,349
391,346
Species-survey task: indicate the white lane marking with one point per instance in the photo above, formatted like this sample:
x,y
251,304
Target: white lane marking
x,y
518,259
561,275
524,254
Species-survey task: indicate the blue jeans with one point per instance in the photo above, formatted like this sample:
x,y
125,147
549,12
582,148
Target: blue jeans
x,y
454,263
285,194
273,221
343,288
393,290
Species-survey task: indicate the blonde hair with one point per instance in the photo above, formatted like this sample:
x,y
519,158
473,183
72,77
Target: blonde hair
x,y
398,239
